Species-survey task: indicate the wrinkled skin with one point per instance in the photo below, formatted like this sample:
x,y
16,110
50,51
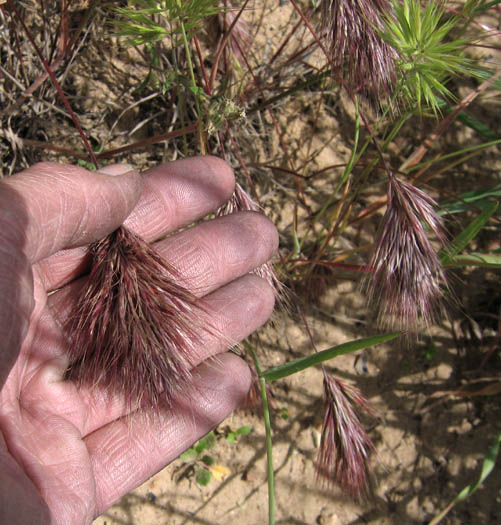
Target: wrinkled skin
x,y
66,454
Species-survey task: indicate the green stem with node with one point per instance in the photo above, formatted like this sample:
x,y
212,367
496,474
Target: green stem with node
x,y
269,443
194,86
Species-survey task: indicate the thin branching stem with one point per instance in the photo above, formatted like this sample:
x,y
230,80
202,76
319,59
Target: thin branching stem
x,y
57,86
269,441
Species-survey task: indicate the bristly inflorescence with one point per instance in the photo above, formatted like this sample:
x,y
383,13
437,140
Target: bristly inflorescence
x,y
405,279
345,447
358,53
135,330
242,201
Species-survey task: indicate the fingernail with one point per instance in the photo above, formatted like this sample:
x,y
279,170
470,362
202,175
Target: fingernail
x,y
116,169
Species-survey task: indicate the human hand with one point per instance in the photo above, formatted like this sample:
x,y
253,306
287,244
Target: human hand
x,y
66,454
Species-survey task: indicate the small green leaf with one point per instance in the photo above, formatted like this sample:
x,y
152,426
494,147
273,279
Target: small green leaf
x,y
467,235
210,440
202,476
86,164
231,437
288,369
207,442
430,351
207,460
189,455
244,431
200,446
197,91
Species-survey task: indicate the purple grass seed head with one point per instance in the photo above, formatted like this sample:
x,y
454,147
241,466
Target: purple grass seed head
x,y
345,447
135,330
358,54
405,281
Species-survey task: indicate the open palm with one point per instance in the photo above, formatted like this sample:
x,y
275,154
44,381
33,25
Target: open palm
x,y
66,454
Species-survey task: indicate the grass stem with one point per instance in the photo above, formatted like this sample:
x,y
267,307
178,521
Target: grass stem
x,y
203,148
269,443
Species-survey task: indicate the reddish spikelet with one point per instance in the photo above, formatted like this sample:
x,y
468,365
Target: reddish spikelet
x,y
358,54
345,447
242,201
405,280
134,331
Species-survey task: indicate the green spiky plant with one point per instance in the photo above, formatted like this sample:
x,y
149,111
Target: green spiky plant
x,y
428,52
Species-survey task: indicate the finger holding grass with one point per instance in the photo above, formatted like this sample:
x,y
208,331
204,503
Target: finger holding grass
x,y
71,454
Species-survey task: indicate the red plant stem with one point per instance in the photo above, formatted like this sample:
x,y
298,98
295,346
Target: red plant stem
x,y
151,140
54,65
308,331
223,44
208,89
311,30
52,147
244,167
298,54
64,27
305,177
57,86
328,264
110,153
284,43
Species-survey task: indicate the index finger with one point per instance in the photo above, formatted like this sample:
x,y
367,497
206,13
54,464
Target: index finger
x,y
59,206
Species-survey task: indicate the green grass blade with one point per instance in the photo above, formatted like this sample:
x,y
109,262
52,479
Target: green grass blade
x,y
487,467
486,6
485,260
478,198
484,73
269,441
302,363
463,151
469,233
473,123
481,128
